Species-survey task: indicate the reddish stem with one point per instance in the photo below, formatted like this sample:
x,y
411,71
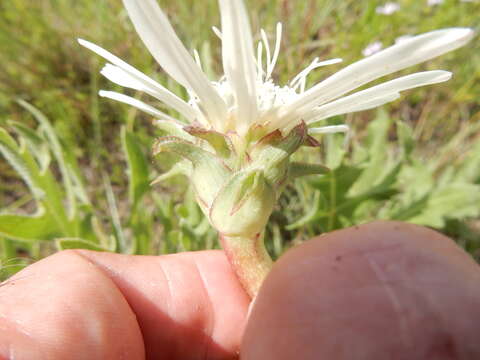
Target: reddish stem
x,y
249,259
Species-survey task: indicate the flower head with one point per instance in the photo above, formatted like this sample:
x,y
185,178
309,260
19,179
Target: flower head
x,y
246,95
237,133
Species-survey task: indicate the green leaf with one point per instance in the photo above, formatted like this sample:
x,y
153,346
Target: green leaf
x,y
122,245
405,137
10,262
335,150
456,201
410,210
311,215
57,151
182,167
27,228
377,141
12,153
137,167
469,170
173,241
35,142
299,169
77,243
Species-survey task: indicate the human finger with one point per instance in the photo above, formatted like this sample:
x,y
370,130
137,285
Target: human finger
x,y
384,290
88,305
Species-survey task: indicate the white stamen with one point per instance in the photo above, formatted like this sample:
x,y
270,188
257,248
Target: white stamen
x,y
276,51
301,77
264,37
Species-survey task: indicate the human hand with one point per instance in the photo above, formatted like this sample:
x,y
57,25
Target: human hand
x,y
378,291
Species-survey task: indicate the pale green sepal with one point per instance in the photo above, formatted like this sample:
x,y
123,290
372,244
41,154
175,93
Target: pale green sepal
x,y
182,167
243,205
299,169
209,171
273,151
172,129
220,143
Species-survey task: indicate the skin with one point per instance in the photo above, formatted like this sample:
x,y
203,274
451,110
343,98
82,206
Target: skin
x,y
379,291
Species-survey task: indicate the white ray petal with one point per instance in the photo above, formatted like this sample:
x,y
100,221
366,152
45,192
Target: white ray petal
x,y
121,77
377,95
159,37
137,104
350,108
125,79
328,129
268,55
132,78
397,57
239,60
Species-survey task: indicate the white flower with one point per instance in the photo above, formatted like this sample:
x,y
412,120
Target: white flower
x,y
372,48
246,95
434,2
388,8
237,133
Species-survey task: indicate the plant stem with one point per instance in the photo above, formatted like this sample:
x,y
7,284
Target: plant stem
x,y
249,259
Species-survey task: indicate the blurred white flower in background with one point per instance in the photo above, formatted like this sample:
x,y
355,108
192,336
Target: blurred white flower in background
x,y
372,48
434,2
388,8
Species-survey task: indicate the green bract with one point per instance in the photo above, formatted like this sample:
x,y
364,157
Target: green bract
x,y
237,186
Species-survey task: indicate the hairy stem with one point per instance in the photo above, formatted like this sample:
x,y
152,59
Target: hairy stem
x,y
250,260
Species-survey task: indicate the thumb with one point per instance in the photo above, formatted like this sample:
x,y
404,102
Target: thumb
x,y
379,291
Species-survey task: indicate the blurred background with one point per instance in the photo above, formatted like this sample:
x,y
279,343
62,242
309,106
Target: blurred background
x,y
75,169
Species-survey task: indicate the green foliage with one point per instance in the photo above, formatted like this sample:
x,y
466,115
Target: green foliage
x,y
379,179
64,214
